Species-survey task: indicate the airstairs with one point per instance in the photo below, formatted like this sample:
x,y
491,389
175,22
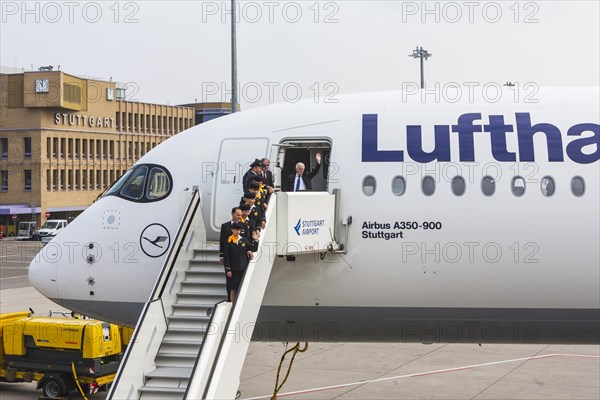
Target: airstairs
x,y
190,343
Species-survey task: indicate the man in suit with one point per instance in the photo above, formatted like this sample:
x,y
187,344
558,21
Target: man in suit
x,y
267,174
236,215
301,180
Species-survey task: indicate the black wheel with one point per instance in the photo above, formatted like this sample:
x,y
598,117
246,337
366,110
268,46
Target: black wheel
x,y
53,388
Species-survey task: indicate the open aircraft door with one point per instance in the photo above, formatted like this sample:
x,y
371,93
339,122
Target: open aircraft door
x,y
235,157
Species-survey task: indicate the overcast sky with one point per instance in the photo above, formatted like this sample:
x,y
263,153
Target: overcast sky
x,y
178,52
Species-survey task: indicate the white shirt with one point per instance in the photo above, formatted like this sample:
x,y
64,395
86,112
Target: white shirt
x,y
302,185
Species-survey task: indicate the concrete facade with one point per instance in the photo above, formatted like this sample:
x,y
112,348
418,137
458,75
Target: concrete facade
x,y
66,139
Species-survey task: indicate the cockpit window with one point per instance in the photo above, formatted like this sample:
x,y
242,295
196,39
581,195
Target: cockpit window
x,y
133,188
159,184
143,183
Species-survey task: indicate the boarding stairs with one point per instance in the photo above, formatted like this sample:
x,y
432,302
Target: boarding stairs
x,y
189,343
182,344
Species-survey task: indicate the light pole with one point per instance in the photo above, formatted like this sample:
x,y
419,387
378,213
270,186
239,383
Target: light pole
x,y
422,54
233,60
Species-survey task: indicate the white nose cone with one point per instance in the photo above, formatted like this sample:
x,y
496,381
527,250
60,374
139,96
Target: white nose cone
x,y
42,271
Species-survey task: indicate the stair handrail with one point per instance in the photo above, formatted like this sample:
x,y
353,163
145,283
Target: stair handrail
x,y
160,284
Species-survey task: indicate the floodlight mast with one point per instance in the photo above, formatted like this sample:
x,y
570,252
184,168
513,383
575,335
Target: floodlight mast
x,y
422,54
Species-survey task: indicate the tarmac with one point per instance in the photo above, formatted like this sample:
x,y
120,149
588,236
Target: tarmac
x,y
368,370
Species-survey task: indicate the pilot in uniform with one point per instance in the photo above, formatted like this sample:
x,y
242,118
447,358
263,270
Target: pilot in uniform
x,y
238,253
248,226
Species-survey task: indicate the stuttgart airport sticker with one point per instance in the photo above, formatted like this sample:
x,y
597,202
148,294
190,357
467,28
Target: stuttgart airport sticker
x,y
155,240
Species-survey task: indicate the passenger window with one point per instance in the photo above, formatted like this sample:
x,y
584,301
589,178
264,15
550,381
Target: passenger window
x,y
133,188
428,185
518,186
369,186
578,186
458,185
159,184
398,186
547,186
488,185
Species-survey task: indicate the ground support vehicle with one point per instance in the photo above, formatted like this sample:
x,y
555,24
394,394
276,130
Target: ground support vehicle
x,y
61,354
27,231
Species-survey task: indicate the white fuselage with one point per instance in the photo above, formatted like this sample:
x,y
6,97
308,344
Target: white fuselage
x,y
413,261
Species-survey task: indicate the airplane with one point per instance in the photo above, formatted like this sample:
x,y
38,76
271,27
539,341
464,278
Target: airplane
x,y
461,221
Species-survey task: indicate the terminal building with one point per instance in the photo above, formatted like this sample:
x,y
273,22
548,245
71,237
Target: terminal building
x,y
65,139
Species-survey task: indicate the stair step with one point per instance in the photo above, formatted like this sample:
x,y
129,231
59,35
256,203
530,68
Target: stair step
x,y
196,270
202,318
210,290
183,342
208,283
161,389
170,372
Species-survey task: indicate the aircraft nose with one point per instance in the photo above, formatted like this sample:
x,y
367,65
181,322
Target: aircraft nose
x,y
42,272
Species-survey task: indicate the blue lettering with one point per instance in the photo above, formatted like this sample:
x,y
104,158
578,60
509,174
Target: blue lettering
x,y
575,148
441,152
369,143
498,131
465,130
526,132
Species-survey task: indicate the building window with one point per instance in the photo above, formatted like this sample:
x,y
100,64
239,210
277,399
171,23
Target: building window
x,y
147,122
54,178
48,147
98,172
104,179
123,122
72,93
104,148
84,176
4,150
92,180
77,179
98,148
69,148
117,120
62,179
48,181
70,182
77,146
54,147
27,143
62,147
84,148
28,180
4,187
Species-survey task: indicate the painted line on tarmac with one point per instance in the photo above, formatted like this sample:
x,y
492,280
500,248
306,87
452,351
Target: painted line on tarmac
x,y
439,371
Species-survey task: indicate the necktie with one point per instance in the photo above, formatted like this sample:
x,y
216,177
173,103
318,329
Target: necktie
x,y
297,183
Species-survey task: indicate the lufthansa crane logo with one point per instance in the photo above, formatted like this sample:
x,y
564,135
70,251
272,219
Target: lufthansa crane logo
x,y
155,240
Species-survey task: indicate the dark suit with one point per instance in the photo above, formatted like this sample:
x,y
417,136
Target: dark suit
x,y
248,176
236,261
268,178
225,233
306,178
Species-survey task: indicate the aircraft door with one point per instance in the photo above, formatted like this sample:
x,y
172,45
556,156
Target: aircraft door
x,y
235,156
